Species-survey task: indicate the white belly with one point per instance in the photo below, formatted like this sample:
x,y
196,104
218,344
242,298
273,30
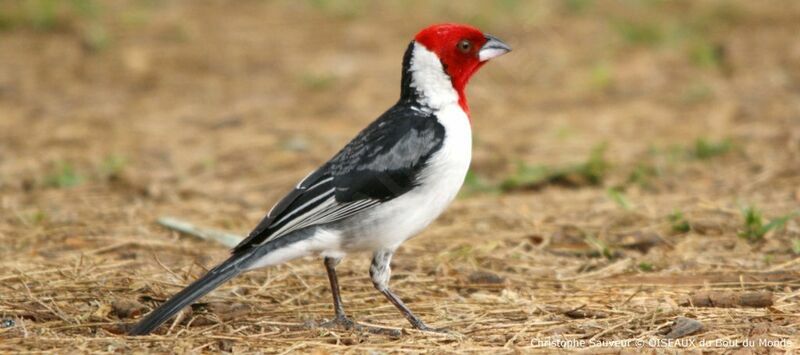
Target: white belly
x,y
397,220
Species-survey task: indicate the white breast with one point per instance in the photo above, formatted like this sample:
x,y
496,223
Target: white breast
x,y
393,222
442,178
447,168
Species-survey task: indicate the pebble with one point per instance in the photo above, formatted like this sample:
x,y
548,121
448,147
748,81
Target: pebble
x,y
7,323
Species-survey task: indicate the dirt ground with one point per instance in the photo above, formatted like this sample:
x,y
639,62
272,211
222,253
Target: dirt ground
x,y
628,156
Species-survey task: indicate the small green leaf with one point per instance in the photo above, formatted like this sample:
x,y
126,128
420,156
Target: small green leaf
x,y
778,223
639,33
112,166
679,222
590,172
601,247
64,176
619,198
706,149
796,246
474,183
646,267
754,227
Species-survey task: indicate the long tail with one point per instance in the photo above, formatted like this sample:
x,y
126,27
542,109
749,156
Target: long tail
x,y
225,271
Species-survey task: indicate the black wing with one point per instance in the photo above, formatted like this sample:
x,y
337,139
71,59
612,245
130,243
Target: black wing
x,y
381,163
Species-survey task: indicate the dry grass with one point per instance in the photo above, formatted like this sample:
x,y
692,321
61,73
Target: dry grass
x,y
210,111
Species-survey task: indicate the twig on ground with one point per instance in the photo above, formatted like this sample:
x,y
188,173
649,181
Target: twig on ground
x,y
754,299
225,238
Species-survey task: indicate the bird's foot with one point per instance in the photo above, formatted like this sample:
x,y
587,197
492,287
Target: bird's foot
x,y
344,322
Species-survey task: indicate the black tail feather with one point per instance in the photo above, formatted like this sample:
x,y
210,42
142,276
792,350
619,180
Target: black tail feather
x,y
217,276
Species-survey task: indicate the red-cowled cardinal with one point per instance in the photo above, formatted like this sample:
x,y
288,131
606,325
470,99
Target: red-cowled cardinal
x,y
386,185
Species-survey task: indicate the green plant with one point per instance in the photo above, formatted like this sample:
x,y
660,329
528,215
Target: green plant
x,y
618,196
695,93
95,37
47,15
642,174
646,266
639,33
112,166
564,132
596,167
754,227
796,246
81,17
679,223
578,6
474,183
317,81
64,175
705,54
41,14
706,149
590,172
529,176
36,217
602,248
602,76
769,259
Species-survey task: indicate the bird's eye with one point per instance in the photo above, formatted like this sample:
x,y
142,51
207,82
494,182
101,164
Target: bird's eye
x,y
464,46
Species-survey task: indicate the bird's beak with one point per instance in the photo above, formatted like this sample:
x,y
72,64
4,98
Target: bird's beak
x,y
493,47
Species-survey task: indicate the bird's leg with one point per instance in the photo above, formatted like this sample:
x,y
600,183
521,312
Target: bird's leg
x,y
340,318
380,271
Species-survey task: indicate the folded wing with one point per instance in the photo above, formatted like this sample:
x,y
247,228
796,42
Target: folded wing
x,y
383,162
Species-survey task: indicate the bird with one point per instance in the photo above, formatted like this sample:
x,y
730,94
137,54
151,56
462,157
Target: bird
x,y
385,186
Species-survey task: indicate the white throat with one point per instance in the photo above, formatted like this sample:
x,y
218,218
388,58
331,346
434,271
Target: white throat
x,y
430,80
